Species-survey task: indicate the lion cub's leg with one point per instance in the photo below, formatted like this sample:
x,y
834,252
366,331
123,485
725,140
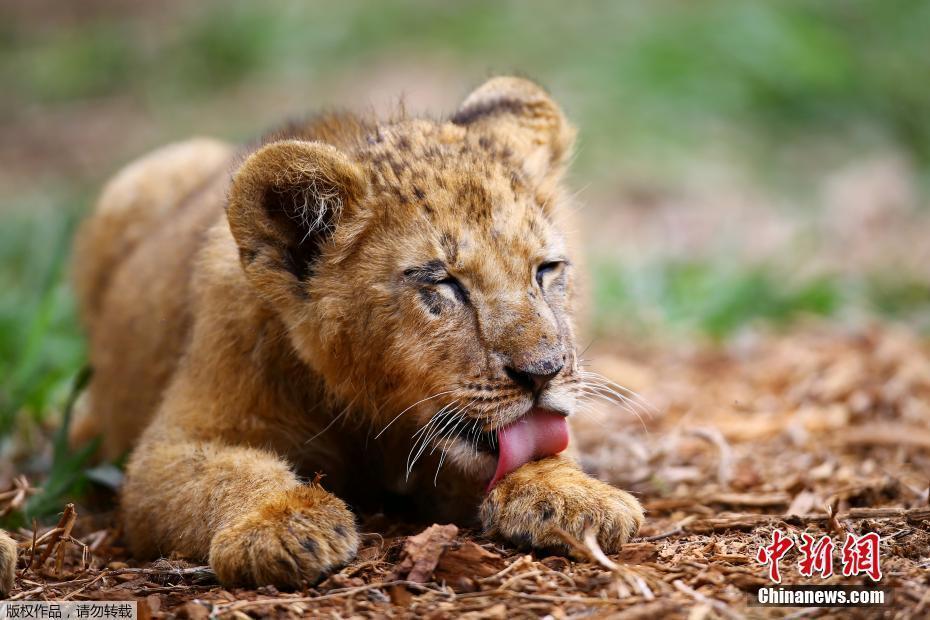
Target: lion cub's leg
x,y
242,509
530,503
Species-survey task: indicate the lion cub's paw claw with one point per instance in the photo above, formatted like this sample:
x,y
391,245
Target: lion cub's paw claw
x,y
531,505
295,537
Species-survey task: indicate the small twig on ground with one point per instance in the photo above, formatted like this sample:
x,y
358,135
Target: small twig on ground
x,y
675,531
27,593
643,588
832,523
65,524
240,605
559,575
15,498
32,552
667,534
96,539
195,571
884,435
722,608
61,552
519,577
749,499
525,559
84,587
912,514
725,466
66,537
582,600
748,521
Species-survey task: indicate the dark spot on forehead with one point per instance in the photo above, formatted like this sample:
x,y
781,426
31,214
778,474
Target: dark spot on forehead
x,y
474,189
398,166
399,195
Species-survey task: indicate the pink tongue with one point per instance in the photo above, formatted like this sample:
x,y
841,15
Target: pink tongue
x,y
537,434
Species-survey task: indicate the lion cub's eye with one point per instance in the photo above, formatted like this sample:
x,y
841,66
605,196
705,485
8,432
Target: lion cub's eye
x,y
453,287
547,271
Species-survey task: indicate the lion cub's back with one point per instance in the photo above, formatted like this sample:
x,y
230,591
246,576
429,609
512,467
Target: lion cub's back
x,y
132,264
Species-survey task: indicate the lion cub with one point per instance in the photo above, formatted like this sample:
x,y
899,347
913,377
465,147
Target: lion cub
x,y
384,303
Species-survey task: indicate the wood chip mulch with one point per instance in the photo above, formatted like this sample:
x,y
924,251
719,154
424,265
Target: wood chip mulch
x,y
821,430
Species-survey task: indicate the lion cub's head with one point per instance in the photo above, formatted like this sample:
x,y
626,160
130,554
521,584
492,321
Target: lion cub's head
x,y
420,269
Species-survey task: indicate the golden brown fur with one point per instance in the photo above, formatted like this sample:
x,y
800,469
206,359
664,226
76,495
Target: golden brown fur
x,y
364,277
8,555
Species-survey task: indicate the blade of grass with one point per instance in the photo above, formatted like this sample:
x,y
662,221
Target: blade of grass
x,y
66,475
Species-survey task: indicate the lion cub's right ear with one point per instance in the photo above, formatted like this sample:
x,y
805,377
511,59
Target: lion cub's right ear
x,y
285,203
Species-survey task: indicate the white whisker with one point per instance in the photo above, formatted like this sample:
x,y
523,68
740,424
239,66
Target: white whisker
x,y
333,421
594,393
411,407
457,416
442,458
600,383
437,422
423,434
589,374
476,431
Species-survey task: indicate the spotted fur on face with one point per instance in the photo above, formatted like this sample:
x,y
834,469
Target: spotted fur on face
x,y
445,241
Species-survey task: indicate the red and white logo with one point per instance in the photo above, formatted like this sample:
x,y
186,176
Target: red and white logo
x,y
859,555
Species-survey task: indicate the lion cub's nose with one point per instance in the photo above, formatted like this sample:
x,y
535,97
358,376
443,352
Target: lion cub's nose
x,y
536,376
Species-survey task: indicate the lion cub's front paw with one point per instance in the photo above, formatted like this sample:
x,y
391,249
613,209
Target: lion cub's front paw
x,y
295,537
531,503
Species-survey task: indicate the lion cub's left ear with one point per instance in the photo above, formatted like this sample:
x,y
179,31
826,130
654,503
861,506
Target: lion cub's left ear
x,y
524,114
286,202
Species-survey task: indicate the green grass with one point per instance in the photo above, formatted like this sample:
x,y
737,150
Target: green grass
x,y
82,63
662,79
721,299
41,349
67,473
40,345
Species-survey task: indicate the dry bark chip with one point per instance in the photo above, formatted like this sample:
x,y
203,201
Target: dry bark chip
x,y
637,553
463,563
400,596
194,611
422,552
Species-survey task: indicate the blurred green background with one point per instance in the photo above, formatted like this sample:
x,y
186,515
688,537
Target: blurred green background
x,y
740,164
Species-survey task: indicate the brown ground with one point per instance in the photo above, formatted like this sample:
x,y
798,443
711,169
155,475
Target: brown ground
x,y
769,432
